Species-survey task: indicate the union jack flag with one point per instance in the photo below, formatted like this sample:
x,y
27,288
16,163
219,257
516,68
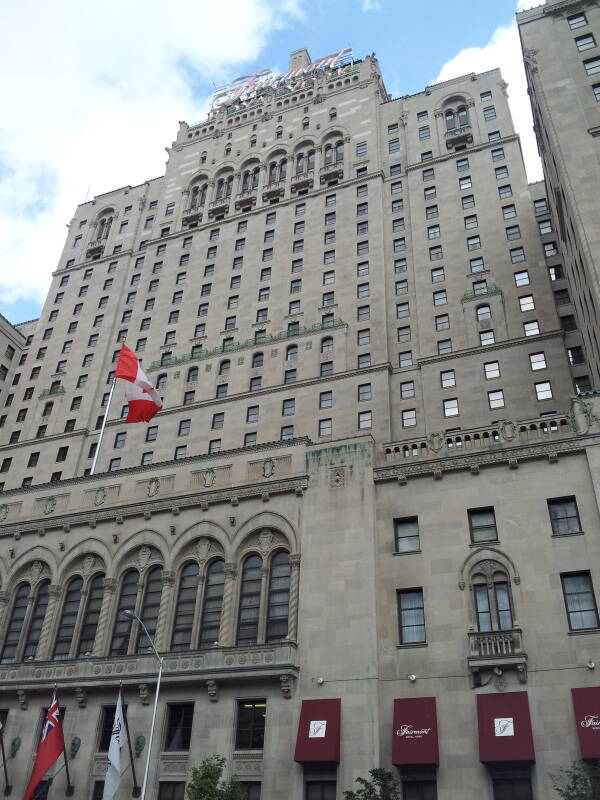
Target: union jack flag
x,y
52,718
50,748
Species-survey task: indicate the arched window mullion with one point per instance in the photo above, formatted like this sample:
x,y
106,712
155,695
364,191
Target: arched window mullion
x,y
250,596
89,617
35,622
278,601
70,612
185,607
150,608
212,604
122,625
16,623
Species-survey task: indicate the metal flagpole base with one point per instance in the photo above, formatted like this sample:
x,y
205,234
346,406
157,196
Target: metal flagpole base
x,y
137,790
7,790
70,790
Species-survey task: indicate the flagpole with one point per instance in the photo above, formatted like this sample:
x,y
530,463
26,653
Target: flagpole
x,y
136,789
110,394
70,790
7,786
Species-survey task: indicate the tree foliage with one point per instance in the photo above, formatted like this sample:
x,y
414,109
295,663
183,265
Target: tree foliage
x,y
581,781
381,786
206,784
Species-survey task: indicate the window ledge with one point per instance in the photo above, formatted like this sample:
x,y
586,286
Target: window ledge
x,y
297,314
567,535
406,553
411,645
584,632
485,543
259,324
198,338
228,330
326,308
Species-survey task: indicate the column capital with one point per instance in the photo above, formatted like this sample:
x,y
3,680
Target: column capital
x,y
295,561
230,569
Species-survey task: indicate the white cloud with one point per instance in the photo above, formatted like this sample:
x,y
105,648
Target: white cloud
x,y
503,51
90,98
523,5
370,5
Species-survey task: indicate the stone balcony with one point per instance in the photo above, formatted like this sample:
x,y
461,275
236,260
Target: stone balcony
x,y
220,206
273,191
269,662
246,199
498,651
332,172
95,249
462,135
304,180
191,216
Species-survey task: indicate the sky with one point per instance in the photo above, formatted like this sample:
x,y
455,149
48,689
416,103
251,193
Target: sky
x,y
96,95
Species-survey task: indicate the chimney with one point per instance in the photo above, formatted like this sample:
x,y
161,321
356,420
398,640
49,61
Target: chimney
x,y
299,59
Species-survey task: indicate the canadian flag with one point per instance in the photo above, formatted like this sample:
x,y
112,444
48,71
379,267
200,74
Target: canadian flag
x,y
142,398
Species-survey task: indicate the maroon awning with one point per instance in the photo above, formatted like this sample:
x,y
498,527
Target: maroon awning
x,y
586,704
504,727
319,731
415,736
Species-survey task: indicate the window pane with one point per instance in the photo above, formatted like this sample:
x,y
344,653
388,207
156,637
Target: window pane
x,y
213,602
150,608
279,592
185,608
249,601
68,619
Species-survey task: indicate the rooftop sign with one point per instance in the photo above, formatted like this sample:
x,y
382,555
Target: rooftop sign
x,y
247,88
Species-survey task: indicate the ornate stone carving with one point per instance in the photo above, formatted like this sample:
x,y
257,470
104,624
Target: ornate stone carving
x,y
213,691
143,557
203,549
3,512
153,487
22,699
286,686
144,694
36,570
89,563
265,542
99,496
50,505
208,477
268,467
337,478
81,697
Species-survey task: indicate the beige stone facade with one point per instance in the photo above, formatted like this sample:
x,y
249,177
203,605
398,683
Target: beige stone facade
x,y
345,303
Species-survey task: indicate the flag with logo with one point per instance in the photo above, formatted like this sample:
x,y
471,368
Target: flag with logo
x,y
143,401
117,737
50,748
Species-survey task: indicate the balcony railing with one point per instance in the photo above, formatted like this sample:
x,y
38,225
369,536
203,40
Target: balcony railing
x,y
218,206
487,291
274,189
95,248
266,339
52,390
303,180
458,136
494,437
331,172
192,215
246,198
498,650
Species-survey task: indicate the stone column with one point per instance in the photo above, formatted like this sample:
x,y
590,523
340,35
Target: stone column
x,y
160,637
4,597
263,610
79,622
293,602
198,609
44,645
101,642
226,628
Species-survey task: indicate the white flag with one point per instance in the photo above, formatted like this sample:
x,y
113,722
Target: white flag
x,y
113,773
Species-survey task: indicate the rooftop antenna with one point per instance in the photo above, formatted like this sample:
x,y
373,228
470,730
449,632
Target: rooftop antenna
x,y
87,193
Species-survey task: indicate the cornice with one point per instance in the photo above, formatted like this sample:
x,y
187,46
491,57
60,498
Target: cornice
x,y
173,505
51,438
473,460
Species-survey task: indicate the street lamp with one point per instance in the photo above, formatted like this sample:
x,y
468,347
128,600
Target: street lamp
x,y
132,615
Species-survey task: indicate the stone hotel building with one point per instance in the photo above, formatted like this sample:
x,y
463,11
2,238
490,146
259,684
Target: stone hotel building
x,y
364,530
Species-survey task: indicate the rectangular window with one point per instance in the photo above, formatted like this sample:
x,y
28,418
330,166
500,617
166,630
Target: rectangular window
x,y
543,390
501,172
513,232
451,407
489,113
505,191
436,253
477,265
498,154
517,255
431,212
325,427
444,347
440,298
580,602
482,525
433,232
394,146
447,379
496,399
471,222
474,243
409,418
407,390
577,21
178,734
564,516
401,287
424,132
585,42
531,328
537,361
406,534
428,174
526,302
411,616
361,149
508,212
462,164
287,433
402,310
362,290
404,334
438,275
365,419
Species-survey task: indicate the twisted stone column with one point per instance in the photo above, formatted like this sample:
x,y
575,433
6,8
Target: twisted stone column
x,y
4,598
263,610
100,643
160,637
293,601
42,653
226,628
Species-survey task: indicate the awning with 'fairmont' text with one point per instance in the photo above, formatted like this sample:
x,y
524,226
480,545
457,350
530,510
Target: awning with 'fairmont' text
x,y
415,734
504,728
319,731
586,704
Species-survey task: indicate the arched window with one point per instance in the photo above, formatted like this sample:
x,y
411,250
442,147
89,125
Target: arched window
x,y
210,620
311,161
220,189
192,374
450,120
229,186
328,154
185,608
339,152
332,114
493,608
327,344
257,360
104,225
228,150
279,598
150,608
300,163
255,177
483,313
203,195
120,638
283,169
37,620
224,367
15,624
91,615
249,611
195,196
291,353
272,172
47,409
463,118
246,181
68,619
203,158
161,381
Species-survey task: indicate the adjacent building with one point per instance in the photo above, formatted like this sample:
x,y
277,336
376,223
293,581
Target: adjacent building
x,y
364,529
